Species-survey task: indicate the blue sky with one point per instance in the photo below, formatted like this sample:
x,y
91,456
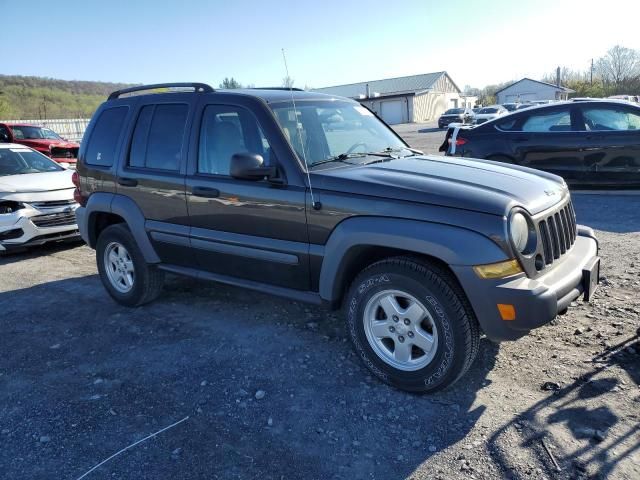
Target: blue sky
x,y
327,42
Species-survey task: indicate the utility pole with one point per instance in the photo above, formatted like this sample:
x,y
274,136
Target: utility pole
x,y
591,71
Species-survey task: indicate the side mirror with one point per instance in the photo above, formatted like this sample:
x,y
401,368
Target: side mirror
x,y
249,166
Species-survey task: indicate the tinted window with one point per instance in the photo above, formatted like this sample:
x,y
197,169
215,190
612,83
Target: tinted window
x,y
227,130
158,137
602,118
488,110
555,121
454,111
4,131
104,138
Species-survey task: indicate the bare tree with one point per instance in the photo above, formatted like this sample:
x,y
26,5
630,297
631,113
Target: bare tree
x,y
619,67
287,82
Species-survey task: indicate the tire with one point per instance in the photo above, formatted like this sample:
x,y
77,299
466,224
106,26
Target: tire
x,y
143,282
448,320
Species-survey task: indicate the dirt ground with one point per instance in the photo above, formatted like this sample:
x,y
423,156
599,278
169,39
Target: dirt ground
x,y
82,377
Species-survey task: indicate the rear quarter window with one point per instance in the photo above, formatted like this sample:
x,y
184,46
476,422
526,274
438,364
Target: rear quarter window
x,y
104,138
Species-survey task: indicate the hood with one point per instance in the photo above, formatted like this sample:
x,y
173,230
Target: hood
x,y
36,183
43,143
469,184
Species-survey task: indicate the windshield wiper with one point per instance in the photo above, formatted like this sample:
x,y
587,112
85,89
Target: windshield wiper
x,y
343,157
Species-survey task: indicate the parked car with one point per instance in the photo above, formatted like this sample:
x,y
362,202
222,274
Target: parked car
x,y
455,115
489,113
41,139
522,106
248,187
626,98
36,199
511,107
587,143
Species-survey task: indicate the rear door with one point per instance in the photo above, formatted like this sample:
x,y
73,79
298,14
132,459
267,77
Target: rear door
x,y
254,230
153,173
613,153
550,139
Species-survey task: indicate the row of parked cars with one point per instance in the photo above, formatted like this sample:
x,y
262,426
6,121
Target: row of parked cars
x,y
478,115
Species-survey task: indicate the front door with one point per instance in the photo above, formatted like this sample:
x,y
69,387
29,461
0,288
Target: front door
x,y
254,230
613,151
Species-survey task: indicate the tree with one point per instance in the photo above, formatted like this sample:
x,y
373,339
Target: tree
x,y
230,83
620,68
287,82
5,109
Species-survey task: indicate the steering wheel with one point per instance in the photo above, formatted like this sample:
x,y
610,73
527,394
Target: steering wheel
x,y
356,145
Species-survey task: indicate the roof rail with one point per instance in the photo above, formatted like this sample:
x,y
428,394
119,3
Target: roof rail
x,y
295,89
197,87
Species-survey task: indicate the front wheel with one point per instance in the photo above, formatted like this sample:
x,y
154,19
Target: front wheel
x,y
411,324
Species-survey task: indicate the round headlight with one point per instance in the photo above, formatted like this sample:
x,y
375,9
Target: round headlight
x,y
519,228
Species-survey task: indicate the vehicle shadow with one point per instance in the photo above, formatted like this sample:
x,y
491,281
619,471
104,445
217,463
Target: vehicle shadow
x,y
571,434
432,130
608,212
18,255
95,376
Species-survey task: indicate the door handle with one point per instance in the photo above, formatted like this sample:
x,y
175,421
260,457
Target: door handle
x,y
206,192
127,182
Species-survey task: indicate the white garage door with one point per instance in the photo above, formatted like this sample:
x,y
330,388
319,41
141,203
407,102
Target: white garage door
x,y
392,111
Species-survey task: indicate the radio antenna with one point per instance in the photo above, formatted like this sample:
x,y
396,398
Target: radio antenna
x,y
316,205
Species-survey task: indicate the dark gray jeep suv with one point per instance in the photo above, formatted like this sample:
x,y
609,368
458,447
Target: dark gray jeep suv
x,y
314,198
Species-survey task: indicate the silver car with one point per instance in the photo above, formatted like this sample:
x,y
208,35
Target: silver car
x,y
36,199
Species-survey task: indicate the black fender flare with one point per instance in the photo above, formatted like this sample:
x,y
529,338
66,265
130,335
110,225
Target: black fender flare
x,y
127,209
450,244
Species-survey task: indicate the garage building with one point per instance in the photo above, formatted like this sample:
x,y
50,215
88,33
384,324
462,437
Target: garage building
x,y
416,98
527,90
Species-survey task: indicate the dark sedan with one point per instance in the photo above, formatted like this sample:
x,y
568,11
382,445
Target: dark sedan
x,y
594,143
454,115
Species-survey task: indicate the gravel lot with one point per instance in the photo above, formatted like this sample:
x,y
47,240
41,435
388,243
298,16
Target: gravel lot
x,y
82,377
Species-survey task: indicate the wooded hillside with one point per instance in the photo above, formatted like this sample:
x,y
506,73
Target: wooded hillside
x,y
42,98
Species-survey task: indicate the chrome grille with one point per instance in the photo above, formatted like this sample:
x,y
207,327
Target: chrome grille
x,y
558,232
54,219
52,204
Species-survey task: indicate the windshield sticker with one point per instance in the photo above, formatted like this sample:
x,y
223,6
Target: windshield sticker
x,y
363,111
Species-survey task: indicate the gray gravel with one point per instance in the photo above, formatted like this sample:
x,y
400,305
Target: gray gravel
x,y
82,377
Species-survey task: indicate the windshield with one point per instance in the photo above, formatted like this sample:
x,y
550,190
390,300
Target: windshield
x,y
329,128
18,161
22,132
489,110
510,106
454,111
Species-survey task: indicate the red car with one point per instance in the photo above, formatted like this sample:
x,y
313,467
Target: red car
x,y
41,139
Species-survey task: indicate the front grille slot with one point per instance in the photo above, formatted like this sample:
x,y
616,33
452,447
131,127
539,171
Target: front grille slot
x,y
54,219
52,204
558,233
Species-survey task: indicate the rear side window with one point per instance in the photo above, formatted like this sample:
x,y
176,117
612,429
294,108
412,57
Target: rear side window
x,y
556,121
159,136
104,138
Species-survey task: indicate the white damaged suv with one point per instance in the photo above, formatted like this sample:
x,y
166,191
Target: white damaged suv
x,y
36,199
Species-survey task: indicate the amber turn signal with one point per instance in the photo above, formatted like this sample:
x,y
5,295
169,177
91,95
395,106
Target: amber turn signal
x,y
507,311
499,269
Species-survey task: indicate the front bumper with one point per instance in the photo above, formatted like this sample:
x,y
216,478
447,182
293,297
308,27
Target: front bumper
x,y
536,301
30,227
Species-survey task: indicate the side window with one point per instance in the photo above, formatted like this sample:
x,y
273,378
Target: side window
x,y
227,130
603,118
555,121
158,137
18,133
104,138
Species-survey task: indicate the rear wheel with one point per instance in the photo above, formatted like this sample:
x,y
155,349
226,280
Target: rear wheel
x,y
128,278
411,324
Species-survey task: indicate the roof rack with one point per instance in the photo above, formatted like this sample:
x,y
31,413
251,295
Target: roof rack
x,y
197,87
295,89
